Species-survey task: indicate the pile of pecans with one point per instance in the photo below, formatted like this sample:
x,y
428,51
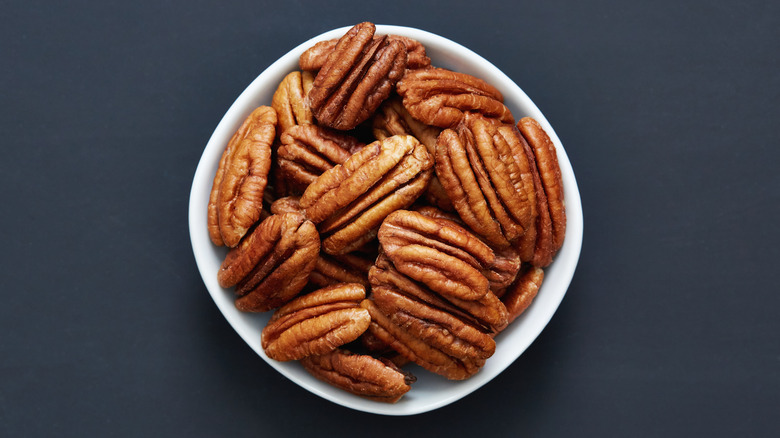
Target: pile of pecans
x,y
387,211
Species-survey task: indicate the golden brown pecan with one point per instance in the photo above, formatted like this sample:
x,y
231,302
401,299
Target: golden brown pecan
x,y
434,339
289,100
314,58
272,264
316,323
349,201
363,375
355,79
441,97
236,199
437,252
393,119
550,175
520,294
477,165
345,268
487,312
307,151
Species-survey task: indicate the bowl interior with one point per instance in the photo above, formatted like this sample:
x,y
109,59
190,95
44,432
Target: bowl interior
x,y
430,391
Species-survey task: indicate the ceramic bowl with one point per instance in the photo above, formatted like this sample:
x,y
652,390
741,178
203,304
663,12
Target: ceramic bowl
x,y
430,391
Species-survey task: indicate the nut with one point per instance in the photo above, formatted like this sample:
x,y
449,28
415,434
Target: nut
x,y
434,339
357,76
289,100
359,374
236,199
393,119
520,294
307,151
349,201
316,323
272,264
437,252
441,97
487,312
549,174
478,168
314,57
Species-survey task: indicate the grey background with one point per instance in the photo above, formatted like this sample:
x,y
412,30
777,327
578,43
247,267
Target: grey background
x,y
668,112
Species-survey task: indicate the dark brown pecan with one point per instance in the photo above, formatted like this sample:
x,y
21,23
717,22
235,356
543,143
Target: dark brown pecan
x,y
550,176
487,312
236,199
349,201
504,270
477,165
434,339
289,100
359,374
307,151
360,73
272,264
316,323
443,255
345,268
441,97
522,292
314,58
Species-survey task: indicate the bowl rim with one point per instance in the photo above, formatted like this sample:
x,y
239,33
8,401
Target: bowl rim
x,y
558,275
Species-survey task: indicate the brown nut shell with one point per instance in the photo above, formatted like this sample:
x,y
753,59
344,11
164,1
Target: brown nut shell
x,y
441,97
236,198
316,323
357,76
272,264
362,375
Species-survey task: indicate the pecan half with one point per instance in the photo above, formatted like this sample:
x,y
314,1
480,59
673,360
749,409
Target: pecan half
x,y
272,264
441,97
307,151
316,323
443,255
477,165
349,201
393,119
549,174
236,199
359,374
486,312
434,339
355,79
289,100
522,292
314,57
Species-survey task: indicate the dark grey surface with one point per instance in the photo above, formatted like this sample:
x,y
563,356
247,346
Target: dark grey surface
x,y
668,112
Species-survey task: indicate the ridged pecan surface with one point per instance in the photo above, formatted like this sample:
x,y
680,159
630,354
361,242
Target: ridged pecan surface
x,y
272,264
360,73
236,199
363,375
289,100
441,97
349,201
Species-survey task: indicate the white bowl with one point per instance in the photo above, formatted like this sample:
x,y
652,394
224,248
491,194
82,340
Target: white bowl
x,y
430,391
